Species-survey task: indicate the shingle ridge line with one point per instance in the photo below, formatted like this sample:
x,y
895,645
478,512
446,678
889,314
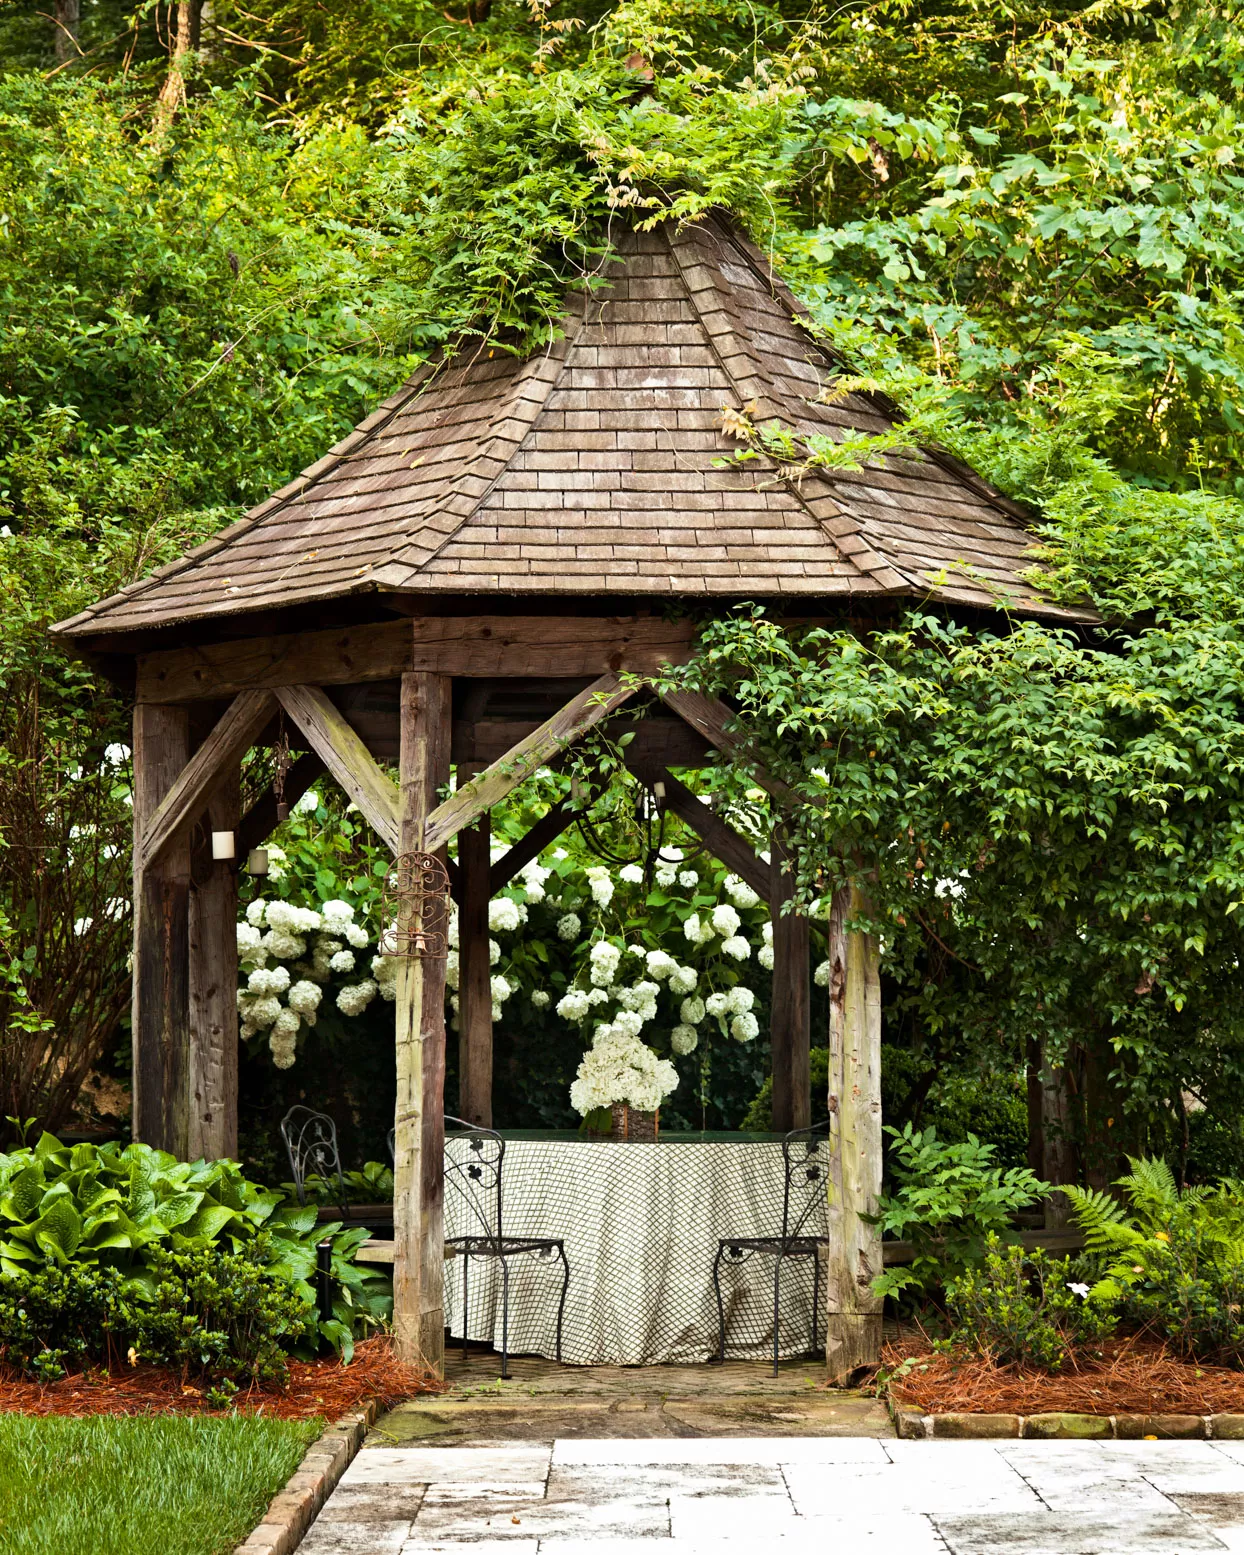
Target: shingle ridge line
x,y
784,407
416,384
566,345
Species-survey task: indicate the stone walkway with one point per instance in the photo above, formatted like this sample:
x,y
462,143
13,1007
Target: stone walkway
x,y
825,1494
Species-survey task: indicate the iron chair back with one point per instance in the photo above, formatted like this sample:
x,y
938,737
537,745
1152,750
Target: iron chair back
x,y
474,1173
805,1159
311,1144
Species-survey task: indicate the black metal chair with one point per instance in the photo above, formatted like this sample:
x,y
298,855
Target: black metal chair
x,y
805,1158
473,1172
311,1145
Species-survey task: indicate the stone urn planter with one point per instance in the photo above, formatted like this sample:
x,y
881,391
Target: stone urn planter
x,y
629,1123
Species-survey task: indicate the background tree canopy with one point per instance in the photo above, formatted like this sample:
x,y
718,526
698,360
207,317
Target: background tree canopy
x,y
225,232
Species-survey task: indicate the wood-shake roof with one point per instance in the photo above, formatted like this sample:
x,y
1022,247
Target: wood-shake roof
x,y
592,469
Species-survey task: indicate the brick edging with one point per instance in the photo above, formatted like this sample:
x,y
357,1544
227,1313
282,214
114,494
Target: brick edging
x,y
1061,1425
295,1506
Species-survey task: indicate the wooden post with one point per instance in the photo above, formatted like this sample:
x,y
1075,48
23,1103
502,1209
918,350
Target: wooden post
x,y
161,1001
853,1325
1059,1151
474,973
419,1123
790,1020
213,1130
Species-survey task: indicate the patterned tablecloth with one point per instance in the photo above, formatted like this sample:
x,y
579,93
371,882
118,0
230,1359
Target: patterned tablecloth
x,y
641,1225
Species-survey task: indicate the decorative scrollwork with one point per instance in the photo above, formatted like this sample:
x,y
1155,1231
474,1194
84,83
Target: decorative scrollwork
x,y
416,907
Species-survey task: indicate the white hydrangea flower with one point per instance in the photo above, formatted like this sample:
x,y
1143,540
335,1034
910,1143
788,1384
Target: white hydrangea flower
x,y
688,879
264,981
683,1039
501,989
249,941
335,916
684,980
286,1024
717,1004
540,999
744,1027
636,950
453,969
665,875
629,1022
452,932
765,956
284,1051
603,958
262,1012
305,997
740,1000
821,976
691,928
600,884
286,947
737,947
494,952
573,1005
343,961
597,996
632,874
569,925
692,1012
290,919
725,920
310,802
254,913
740,893
357,936
660,964
766,931
354,998
642,995
618,1068
503,915
116,755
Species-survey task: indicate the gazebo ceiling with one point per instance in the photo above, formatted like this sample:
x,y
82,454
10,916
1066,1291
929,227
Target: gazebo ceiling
x,y
591,470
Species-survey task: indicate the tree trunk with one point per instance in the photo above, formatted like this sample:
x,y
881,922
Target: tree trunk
x,y
1057,1113
183,42
67,16
853,1324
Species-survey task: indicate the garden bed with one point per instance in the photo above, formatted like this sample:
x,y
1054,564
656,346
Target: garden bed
x,y
315,1388
1135,1375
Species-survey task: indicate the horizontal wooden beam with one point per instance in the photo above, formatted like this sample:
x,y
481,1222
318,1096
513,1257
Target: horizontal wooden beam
x,y
207,771
709,717
346,757
503,646
722,841
666,742
583,712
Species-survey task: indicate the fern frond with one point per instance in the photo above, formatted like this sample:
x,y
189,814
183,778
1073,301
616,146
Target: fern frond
x,y
1151,1187
1102,1218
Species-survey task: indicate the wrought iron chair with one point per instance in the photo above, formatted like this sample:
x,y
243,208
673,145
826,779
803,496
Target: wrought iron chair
x,y
805,1158
311,1144
474,1174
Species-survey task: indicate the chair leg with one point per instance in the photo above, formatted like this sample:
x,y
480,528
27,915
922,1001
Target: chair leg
x,y
777,1288
561,1305
816,1295
466,1300
505,1318
720,1358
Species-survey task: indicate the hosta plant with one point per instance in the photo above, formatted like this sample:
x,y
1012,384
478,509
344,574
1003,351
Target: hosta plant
x,y
126,1209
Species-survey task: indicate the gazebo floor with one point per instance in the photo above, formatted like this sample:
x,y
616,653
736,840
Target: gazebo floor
x,y
543,1400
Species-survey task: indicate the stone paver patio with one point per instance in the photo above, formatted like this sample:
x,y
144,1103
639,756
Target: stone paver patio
x,y
693,1495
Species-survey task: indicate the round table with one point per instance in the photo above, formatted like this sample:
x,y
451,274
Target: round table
x,y
641,1224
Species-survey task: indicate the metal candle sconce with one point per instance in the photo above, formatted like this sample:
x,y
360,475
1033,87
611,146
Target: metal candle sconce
x,y
416,904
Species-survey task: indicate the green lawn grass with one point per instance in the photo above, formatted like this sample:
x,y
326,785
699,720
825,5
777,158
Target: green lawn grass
x,y
148,1485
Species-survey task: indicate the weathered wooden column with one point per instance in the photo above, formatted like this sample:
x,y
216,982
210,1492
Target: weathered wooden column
x,y
474,972
853,1313
161,999
790,1018
419,1121
213,1127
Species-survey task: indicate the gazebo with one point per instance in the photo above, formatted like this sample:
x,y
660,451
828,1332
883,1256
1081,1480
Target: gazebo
x,y
478,574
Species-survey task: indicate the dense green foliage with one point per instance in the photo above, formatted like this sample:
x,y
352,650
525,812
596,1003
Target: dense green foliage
x,y
1172,1260
1027,226
1023,1308
181,1485
162,1231
947,1199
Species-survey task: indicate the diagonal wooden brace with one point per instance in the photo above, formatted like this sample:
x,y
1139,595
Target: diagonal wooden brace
x,y
207,771
722,841
709,717
346,757
581,713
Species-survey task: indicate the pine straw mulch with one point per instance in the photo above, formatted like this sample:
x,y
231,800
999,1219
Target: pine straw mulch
x,y
1136,1375
321,1387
